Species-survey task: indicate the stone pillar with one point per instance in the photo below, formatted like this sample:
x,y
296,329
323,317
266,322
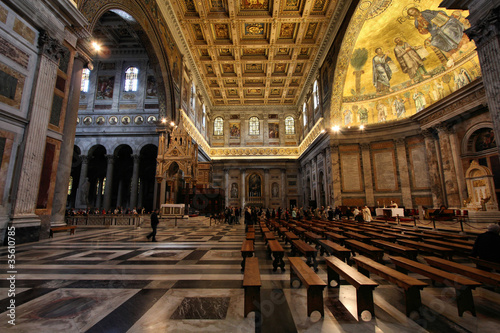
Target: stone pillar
x,y
367,174
140,190
455,151
119,196
266,187
283,191
243,188
99,194
31,155
80,202
433,171
449,172
337,184
485,31
67,145
109,181
328,177
135,179
404,175
226,186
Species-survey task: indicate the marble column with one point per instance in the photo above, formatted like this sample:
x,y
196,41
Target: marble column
x,y
433,171
283,191
80,202
119,196
455,151
109,182
31,154
328,177
266,187
67,145
135,180
484,18
226,186
367,174
243,188
337,184
449,172
404,174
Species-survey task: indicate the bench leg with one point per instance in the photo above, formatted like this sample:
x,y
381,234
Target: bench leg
x,y
364,300
245,255
252,300
294,277
315,300
364,271
72,231
278,262
332,275
413,300
465,301
312,262
51,235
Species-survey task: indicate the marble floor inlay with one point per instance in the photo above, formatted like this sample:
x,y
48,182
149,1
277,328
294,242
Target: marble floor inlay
x,y
114,280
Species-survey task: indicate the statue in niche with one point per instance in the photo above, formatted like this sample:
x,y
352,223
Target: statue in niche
x,y
275,190
234,190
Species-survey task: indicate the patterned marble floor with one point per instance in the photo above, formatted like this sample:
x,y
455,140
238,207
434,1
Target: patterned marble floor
x,y
114,280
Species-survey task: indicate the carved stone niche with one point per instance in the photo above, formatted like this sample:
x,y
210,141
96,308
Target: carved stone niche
x,y
480,188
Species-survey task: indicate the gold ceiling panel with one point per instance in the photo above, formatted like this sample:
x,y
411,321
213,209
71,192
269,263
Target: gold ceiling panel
x,y
255,51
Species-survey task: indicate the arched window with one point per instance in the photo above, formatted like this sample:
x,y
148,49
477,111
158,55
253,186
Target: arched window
x,y
85,80
315,94
289,125
218,126
131,79
204,116
304,114
254,126
193,97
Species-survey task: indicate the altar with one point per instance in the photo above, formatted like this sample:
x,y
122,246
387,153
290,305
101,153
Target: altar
x,y
390,212
172,210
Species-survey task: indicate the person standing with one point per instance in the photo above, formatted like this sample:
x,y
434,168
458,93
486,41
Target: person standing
x,y
487,245
367,215
154,224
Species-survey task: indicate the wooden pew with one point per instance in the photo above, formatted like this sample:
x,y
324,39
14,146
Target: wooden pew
x,y
71,229
463,249
371,251
334,249
462,286
275,248
410,285
307,250
408,252
250,236
247,250
300,270
336,237
482,264
364,286
442,251
290,236
252,284
358,236
311,237
472,272
378,235
401,236
268,236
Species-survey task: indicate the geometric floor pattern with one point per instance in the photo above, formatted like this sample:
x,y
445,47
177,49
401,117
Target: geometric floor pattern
x,y
114,280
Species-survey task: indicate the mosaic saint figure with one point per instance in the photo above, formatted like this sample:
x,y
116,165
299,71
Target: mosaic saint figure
x,y
419,99
399,107
362,114
410,61
347,117
446,32
382,73
382,112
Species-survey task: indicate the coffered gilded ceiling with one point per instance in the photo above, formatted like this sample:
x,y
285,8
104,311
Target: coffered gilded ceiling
x,y
256,52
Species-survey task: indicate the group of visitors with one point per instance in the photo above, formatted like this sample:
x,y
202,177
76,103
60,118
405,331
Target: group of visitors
x,y
97,211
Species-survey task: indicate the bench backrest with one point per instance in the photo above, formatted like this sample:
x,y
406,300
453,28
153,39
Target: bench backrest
x,y
400,279
349,273
251,277
305,273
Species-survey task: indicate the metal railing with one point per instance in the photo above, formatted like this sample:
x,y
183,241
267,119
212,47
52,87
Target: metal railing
x,y
105,220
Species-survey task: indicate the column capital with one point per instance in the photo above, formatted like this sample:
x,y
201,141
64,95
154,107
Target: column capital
x,y
445,128
428,134
266,170
400,141
84,158
364,146
50,47
487,29
110,158
136,158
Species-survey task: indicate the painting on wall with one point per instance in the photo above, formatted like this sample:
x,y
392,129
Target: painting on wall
x,y
151,89
418,55
234,130
254,185
274,130
234,190
485,139
105,86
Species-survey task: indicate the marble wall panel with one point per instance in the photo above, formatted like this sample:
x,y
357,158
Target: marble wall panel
x,y
11,86
351,172
24,31
385,170
6,142
420,177
3,14
14,53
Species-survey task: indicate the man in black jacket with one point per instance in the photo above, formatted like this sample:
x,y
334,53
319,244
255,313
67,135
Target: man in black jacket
x,y
487,245
154,225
